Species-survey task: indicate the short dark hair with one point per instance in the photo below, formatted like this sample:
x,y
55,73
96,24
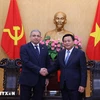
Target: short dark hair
x,y
72,36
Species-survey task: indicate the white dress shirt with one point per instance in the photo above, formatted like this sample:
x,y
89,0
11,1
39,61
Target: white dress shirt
x,y
69,53
36,45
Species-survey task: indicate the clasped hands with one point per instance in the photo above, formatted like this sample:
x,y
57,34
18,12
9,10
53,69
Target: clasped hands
x,y
43,71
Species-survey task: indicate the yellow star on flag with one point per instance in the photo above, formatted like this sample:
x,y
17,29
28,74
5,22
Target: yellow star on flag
x,y
96,34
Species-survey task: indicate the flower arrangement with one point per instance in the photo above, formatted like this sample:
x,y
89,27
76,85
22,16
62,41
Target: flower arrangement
x,y
54,46
77,42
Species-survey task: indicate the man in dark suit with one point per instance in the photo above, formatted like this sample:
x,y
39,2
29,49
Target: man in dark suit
x,y
72,63
35,60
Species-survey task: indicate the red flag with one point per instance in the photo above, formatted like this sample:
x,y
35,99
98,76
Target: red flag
x,y
93,46
13,35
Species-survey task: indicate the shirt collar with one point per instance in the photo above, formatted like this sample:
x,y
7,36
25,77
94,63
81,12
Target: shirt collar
x,y
70,49
35,44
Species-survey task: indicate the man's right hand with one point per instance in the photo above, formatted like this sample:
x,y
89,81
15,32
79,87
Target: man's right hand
x,y
43,71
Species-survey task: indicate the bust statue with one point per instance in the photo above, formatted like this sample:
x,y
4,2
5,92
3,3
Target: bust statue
x,y
59,21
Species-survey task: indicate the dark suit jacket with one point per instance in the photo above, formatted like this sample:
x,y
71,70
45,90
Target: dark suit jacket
x,y
75,72
31,64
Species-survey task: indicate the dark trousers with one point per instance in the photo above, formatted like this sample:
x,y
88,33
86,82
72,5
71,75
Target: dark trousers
x,y
68,94
34,92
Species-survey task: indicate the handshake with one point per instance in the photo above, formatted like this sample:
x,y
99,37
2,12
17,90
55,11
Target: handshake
x,y
43,71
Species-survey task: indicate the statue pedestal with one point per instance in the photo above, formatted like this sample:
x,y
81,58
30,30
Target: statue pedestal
x,y
53,82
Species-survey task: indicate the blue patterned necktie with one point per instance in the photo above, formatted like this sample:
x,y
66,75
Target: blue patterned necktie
x,y
67,57
37,50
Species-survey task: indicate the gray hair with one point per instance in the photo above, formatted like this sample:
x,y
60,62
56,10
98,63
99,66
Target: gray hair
x,y
35,31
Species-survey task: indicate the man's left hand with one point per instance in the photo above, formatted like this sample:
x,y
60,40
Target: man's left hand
x,y
81,89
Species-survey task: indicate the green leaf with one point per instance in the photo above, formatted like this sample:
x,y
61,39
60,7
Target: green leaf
x,y
47,38
53,56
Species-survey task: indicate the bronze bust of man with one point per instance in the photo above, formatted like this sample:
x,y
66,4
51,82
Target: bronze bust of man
x,y
59,21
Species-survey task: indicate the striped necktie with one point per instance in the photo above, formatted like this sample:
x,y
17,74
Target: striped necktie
x,y
67,57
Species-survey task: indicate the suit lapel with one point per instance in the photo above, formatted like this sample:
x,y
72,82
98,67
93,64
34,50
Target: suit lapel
x,y
32,50
72,55
41,49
